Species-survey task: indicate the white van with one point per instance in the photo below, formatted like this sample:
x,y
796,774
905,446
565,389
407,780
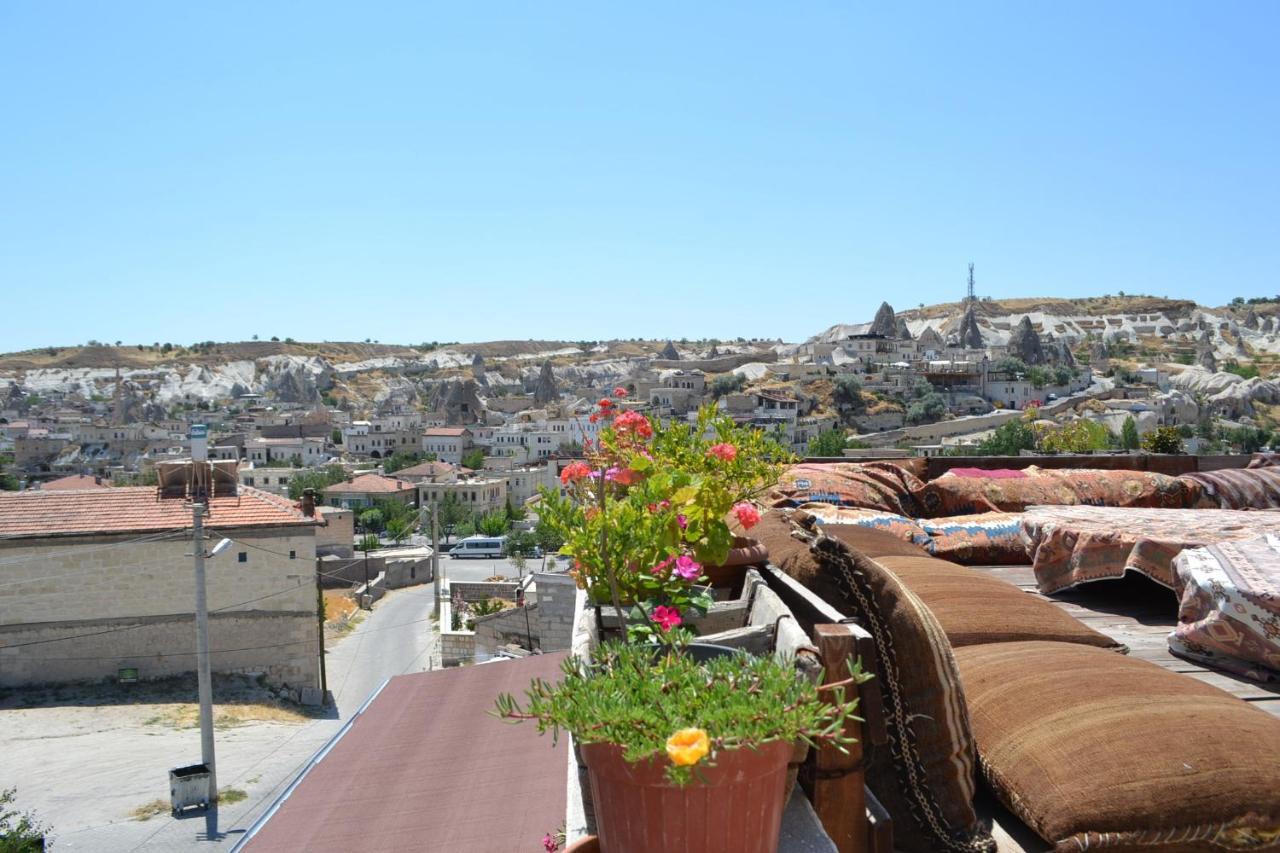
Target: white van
x,y
479,546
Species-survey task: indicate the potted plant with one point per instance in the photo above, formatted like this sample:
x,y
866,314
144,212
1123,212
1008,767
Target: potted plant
x,y
685,755
644,517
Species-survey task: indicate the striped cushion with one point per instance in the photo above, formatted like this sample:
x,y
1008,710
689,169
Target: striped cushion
x,y
985,539
926,777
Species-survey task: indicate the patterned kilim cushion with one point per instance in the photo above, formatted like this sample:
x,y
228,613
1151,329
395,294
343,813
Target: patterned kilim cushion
x,y
926,776
953,495
1099,751
1230,613
1240,488
988,538
873,485
824,516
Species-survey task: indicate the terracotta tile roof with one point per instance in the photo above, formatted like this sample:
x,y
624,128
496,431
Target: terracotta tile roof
x,y
134,509
446,431
427,469
369,484
71,483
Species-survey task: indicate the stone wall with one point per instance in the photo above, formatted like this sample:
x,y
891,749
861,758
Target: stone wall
x,y
480,590
281,646
556,596
518,625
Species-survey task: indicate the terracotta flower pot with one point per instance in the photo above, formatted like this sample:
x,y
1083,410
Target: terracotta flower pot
x,y
729,574
735,807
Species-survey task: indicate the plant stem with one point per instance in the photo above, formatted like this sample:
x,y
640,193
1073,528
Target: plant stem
x,y
604,555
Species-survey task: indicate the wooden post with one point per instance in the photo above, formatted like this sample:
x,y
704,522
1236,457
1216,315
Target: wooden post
x,y
838,793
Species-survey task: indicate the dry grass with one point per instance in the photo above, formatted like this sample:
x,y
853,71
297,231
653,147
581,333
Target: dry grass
x,y
186,715
146,811
338,605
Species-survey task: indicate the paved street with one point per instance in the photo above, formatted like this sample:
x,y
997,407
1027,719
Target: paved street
x,y
84,770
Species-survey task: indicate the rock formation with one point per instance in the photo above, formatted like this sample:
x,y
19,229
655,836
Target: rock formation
x,y
1206,359
886,323
1251,319
1268,325
901,332
478,372
970,336
459,400
546,392
669,352
1024,343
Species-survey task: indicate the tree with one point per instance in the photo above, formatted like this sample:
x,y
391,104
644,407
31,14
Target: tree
x,y
927,409
368,543
335,437
451,513
1129,434
514,513
1163,440
1079,436
1249,439
405,459
521,543
548,540
829,443
8,482
372,520
730,383
846,393
20,832
473,459
493,523
1009,364
1009,439
316,480
399,529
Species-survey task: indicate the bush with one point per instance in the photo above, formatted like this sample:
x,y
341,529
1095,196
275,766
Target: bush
x,y
1080,436
1009,439
1163,440
20,832
829,443
492,523
1129,439
730,383
929,408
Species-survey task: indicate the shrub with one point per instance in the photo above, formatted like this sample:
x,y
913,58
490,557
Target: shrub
x,y
1163,440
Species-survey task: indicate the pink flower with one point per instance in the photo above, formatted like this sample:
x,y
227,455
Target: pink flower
x,y
666,617
724,452
682,521
687,567
605,403
619,391
748,516
549,844
661,569
574,472
633,422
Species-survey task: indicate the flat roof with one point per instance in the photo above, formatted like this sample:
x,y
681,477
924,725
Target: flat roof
x,y
424,767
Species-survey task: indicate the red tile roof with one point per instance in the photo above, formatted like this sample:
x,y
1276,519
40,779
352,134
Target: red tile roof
x,y
370,484
73,482
427,469
134,509
424,767
446,431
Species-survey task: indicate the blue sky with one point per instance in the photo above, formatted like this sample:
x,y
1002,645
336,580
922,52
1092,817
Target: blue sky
x,y
414,171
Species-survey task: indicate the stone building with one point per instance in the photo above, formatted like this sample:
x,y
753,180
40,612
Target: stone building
x,y
99,584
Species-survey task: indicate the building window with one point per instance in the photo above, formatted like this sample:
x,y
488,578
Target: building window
x,y
242,557
293,555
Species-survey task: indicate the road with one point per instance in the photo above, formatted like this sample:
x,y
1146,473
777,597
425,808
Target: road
x,y
84,772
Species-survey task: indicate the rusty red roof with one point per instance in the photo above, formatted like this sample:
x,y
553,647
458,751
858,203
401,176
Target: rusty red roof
x,y
369,484
134,509
72,483
424,767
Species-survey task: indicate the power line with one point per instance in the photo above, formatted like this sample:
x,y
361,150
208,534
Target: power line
x,y
78,550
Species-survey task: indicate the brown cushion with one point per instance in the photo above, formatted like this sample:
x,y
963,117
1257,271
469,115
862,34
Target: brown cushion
x,y
1099,751
926,776
954,495
973,607
827,518
872,485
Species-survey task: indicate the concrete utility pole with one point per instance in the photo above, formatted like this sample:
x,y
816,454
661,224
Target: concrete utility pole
x,y
324,679
202,652
435,555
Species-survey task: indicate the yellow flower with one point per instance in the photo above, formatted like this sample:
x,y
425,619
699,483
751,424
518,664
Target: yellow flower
x,y
688,746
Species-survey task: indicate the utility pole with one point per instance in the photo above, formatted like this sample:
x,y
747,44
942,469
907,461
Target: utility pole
x,y
435,555
202,652
324,680
367,594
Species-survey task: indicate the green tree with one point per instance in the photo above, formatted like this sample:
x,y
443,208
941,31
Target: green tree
x,y
473,459
492,523
1129,434
1244,371
20,832
335,437
368,542
399,529
372,520
729,383
548,540
8,482
450,513
514,513
829,443
1163,440
520,543
1079,436
1009,439
929,408
316,479
405,459
1249,439
846,392
1009,364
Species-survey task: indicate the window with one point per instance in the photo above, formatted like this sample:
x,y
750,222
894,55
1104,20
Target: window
x,y
242,557
293,555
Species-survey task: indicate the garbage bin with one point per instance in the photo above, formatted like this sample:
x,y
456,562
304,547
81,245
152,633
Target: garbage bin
x,y
188,786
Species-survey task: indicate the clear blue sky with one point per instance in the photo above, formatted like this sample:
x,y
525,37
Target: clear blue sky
x,y
414,171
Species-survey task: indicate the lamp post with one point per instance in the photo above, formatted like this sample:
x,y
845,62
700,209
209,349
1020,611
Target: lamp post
x,y
203,675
